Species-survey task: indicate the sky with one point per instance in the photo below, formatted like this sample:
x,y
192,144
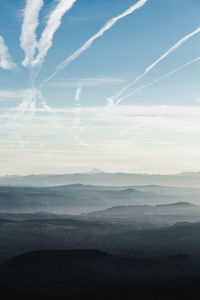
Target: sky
x,y
107,84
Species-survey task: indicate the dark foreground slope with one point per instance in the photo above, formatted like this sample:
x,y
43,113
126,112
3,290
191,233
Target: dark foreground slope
x,y
123,236
61,274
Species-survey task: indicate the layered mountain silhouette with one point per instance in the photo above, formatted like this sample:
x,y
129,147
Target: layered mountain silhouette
x,y
79,198
60,274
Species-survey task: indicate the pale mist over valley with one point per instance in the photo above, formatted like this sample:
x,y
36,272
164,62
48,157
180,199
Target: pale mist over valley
x,y
99,149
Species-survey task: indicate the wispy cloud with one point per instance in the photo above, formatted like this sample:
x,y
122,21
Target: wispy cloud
x,y
178,44
169,51
53,24
124,110
29,43
28,38
78,94
77,119
100,33
5,59
90,82
158,79
166,134
14,94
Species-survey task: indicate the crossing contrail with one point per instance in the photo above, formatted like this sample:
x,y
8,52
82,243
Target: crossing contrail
x,y
158,79
52,26
178,44
100,33
28,38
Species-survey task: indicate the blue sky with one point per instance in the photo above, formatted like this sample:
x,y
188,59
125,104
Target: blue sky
x,y
73,128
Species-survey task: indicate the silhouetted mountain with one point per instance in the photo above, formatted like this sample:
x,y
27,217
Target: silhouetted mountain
x,y
64,273
135,230
78,198
3,221
179,204
138,212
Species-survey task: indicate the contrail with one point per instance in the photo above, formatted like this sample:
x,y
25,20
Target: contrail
x,y
28,102
53,24
77,121
30,99
29,43
112,99
77,128
28,39
6,62
158,79
43,101
78,94
89,42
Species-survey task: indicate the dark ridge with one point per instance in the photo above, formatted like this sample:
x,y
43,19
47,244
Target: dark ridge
x,y
2,221
45,255
185,225
177,204
60,273
184,258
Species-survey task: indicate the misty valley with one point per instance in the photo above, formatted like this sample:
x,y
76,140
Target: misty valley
x,y
78,240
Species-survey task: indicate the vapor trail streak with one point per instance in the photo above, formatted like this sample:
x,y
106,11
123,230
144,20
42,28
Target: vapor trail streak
x,y
6,62
28,39
112,99
78,94
100,33
53,24
77,120
158,79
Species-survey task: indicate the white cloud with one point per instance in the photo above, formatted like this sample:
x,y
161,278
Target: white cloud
x,y
5,59
148,69
28,38
100,33
16,94
89,82
53,23
126,138
119,100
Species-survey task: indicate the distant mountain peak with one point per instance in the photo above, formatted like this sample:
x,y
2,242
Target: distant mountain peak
x,y
95,171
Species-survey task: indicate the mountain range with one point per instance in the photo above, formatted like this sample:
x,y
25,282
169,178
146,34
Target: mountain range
x,y
97,177
78,198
